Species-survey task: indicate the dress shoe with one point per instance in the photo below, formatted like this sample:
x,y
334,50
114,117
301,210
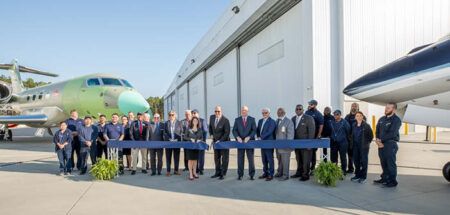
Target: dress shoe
x,y
153,174
240,178
283,178
277,175
252,178
379,181
221,177
176,173
82,172
354,179
159,173
144,171
262,177
296,176
269,178
390,184
133,172
304,179
168,174
200,172
214,176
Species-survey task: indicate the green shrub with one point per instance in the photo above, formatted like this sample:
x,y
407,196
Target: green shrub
x,y
104,169
328,174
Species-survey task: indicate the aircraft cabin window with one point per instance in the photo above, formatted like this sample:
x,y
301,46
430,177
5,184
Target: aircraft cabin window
x,y
28,98
126,83
34,97
111,81
93,82
40,96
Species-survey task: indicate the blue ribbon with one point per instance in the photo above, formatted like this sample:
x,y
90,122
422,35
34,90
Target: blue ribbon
x,y
157,144
261,144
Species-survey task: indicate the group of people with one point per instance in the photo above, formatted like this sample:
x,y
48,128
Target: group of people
x,y
350,139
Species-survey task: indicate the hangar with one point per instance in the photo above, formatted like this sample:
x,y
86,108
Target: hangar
x,y
279,53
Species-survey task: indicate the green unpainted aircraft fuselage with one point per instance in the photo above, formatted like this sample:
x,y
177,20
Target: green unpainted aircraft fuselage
x,y
90,95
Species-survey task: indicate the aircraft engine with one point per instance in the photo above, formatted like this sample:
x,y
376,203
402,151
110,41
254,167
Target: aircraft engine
x,y
5,92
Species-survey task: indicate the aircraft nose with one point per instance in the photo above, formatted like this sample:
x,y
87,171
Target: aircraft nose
x,y
132,101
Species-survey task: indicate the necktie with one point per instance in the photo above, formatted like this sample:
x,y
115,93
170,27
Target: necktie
x,y
245,121
262,126
140,128
216,122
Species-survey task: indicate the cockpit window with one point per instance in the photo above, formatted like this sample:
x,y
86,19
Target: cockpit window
x,y
127,83
93,82
111,81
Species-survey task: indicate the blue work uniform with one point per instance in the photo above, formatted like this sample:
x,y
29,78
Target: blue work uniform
x,y
65,153
318,120
73,125
388,132
87,134
113,132
340,131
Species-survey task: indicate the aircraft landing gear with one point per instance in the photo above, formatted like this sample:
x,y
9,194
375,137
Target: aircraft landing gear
x,y
446,171
5,133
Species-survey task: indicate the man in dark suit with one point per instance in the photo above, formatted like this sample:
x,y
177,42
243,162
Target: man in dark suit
x,y
304,129
139,131
244,130
219,129
172,132
157,130
266,131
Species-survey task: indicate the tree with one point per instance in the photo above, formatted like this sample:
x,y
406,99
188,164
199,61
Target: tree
x,y
29,83
156,105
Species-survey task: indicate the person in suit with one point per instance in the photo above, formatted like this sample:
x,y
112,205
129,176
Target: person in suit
x,y
126,130
195,135
219,129
130,118
201,153
266,131
63,148
172,132
139,131
186,124
244,130
157,130
87,135
147,122
340,132
285,131
304,129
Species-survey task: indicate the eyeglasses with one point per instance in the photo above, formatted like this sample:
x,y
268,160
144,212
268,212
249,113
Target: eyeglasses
x,y
217,111
265,112
171,114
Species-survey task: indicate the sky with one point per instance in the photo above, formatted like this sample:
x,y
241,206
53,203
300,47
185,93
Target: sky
x,y
144,41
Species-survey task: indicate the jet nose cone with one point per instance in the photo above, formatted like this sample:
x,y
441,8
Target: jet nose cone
x,y
132,101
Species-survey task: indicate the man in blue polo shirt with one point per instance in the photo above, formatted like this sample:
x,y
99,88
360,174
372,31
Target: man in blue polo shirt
x,y
318,120
87,135
73,123
115,131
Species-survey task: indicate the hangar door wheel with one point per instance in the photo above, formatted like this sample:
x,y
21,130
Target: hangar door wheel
x,y
446,171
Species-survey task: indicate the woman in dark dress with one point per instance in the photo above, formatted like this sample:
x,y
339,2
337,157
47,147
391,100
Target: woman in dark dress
x,y
126,129
193,134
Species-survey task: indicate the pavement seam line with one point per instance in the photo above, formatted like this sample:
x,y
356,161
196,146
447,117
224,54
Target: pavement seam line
x,y
79,198
21,162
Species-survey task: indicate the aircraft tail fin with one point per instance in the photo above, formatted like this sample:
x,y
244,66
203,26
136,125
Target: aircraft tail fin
x,y
15,70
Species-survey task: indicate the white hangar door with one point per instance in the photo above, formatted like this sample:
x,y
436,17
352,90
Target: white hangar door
x,y
221,86
197,93
271,72
182,101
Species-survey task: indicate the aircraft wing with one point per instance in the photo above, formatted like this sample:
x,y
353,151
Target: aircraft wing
x,y
27,70
24,119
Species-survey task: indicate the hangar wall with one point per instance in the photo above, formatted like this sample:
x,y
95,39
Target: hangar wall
x,y
312,51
